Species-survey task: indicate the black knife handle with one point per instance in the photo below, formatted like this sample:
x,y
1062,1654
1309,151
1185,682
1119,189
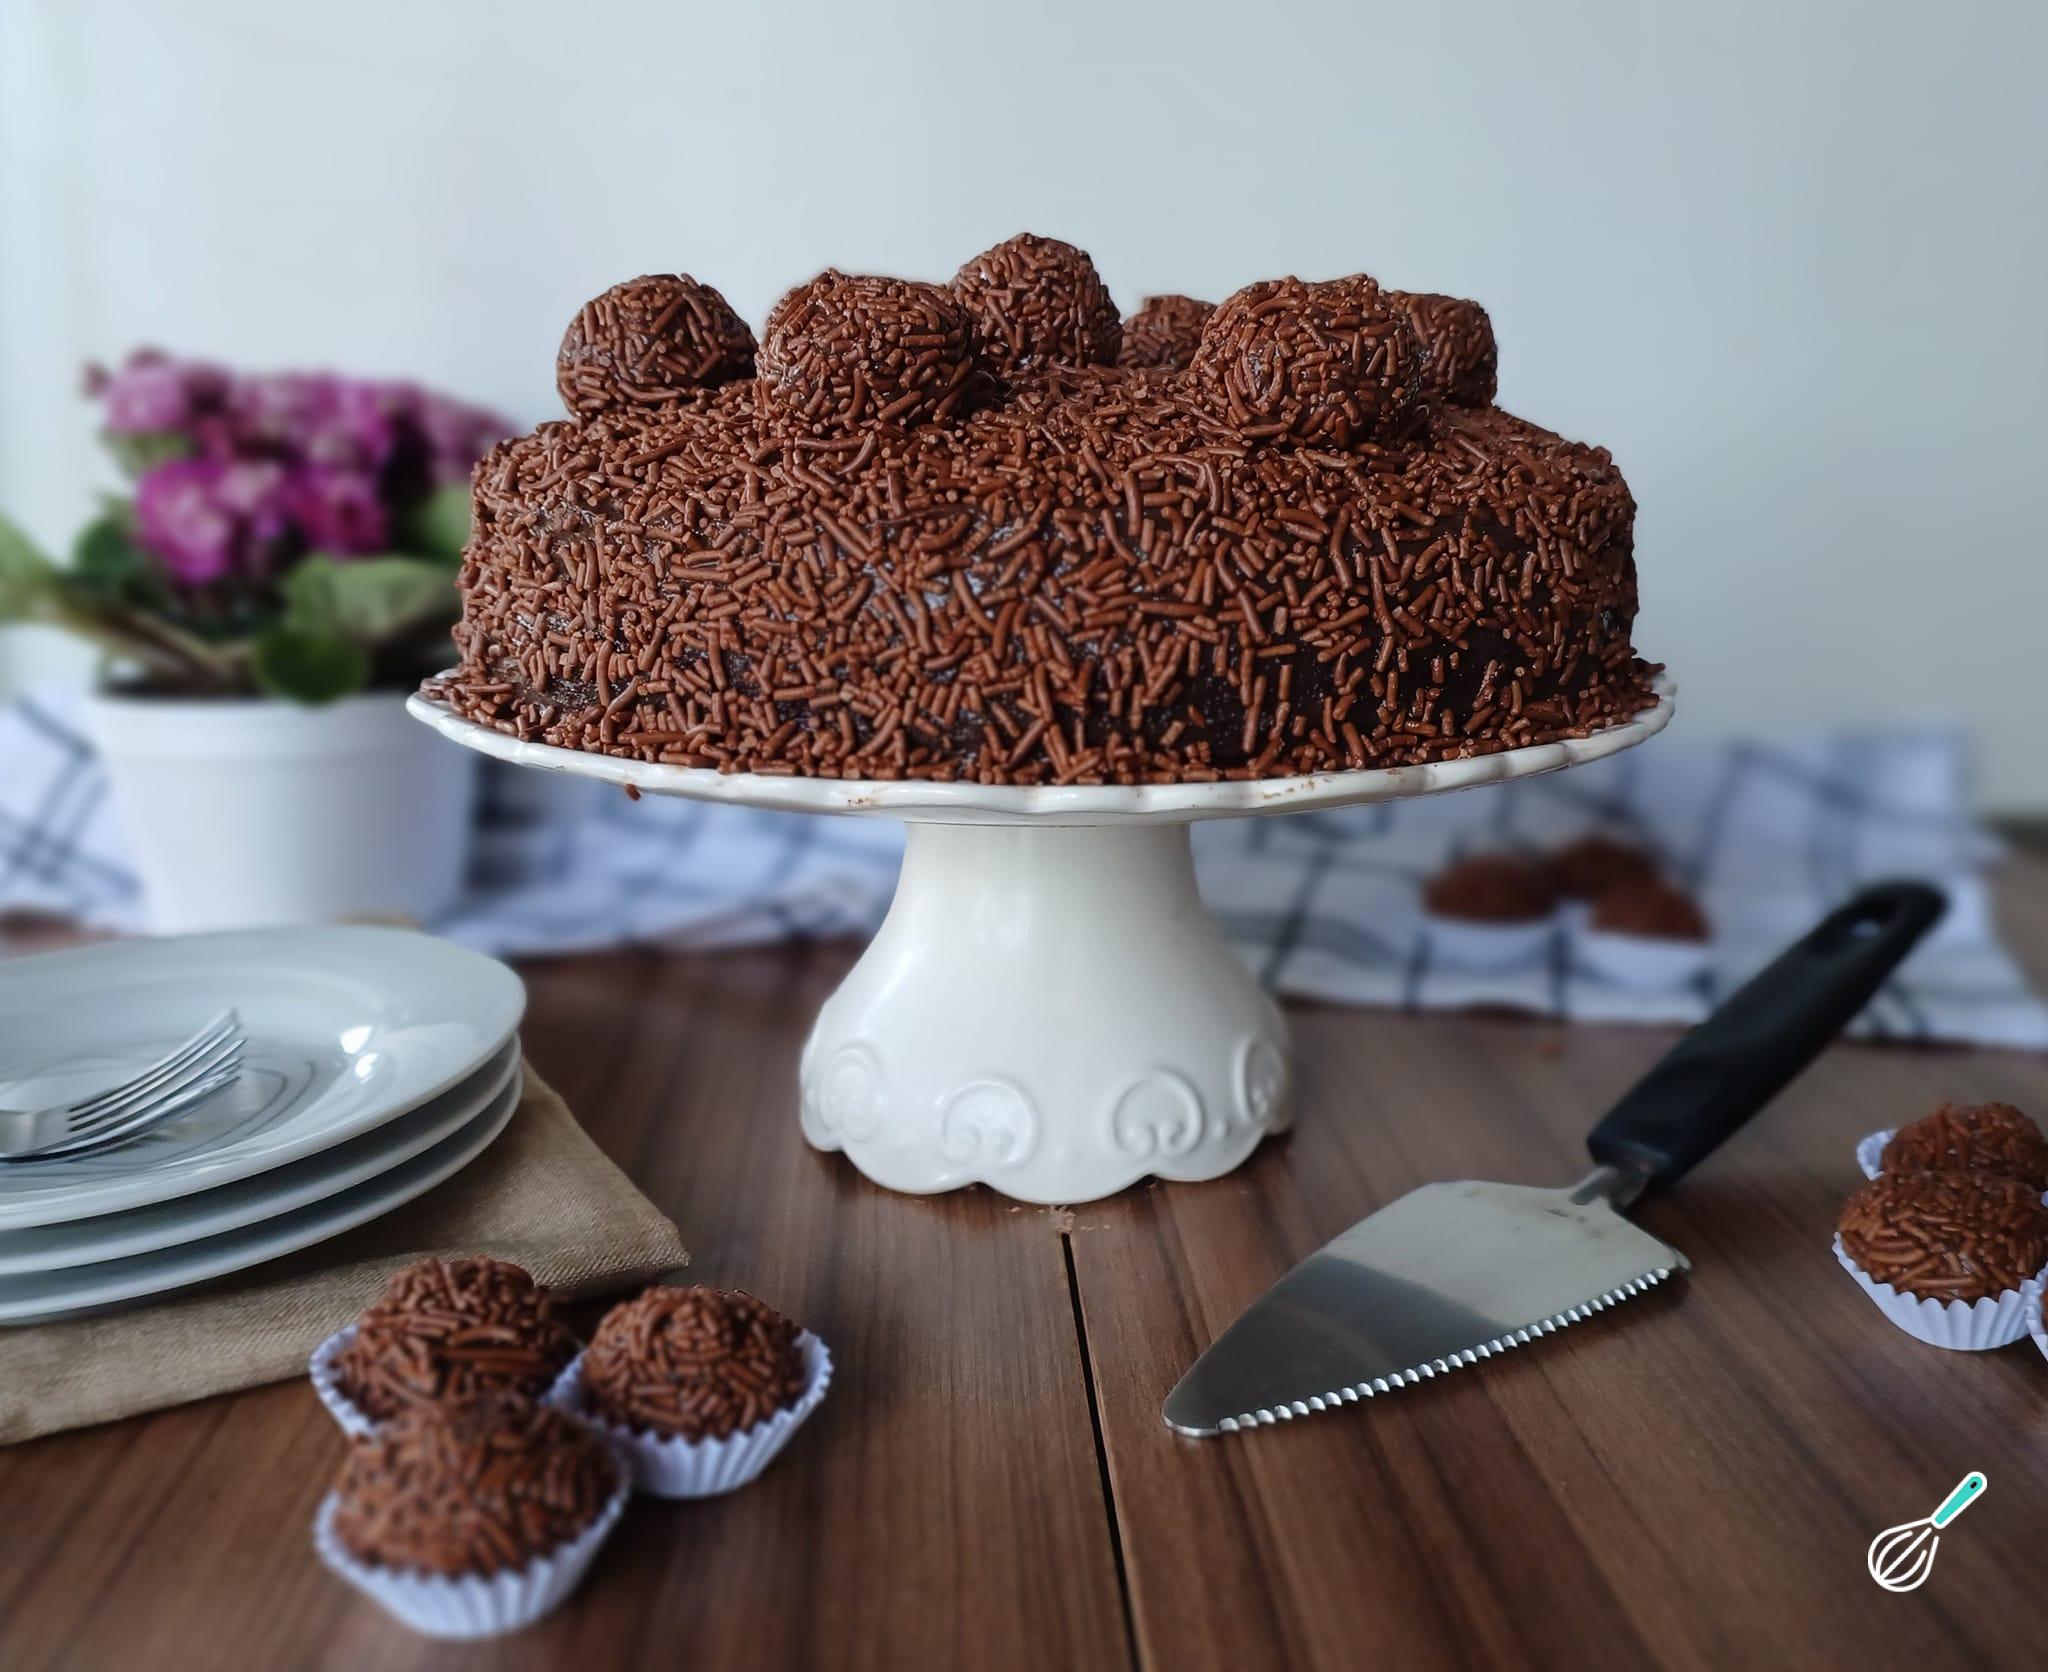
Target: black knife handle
x,y
1740,1057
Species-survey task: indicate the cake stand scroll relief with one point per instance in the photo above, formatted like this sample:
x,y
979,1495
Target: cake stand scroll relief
x,y
1047,1008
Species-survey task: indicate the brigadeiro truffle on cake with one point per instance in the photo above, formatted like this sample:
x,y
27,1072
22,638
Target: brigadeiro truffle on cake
x,y
443,1329
1489,910
697,1388
1164,333
472,1517
1946,1256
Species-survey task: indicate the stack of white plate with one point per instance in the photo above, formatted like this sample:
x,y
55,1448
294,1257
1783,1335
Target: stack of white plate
x,y
379,1063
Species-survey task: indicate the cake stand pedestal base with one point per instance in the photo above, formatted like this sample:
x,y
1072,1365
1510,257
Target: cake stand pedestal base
x,y
1048,1010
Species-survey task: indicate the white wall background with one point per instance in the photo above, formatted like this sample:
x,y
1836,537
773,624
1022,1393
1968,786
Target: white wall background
x,y
1788,260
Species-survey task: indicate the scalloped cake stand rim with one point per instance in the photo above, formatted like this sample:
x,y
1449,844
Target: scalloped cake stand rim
x,y
928,800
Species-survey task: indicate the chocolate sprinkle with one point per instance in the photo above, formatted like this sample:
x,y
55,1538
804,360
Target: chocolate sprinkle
x,y
479,1487
1981,1137
877,560
1038,303
1947,1236
693,1363
1164,333
449,1329
1490,888
648,341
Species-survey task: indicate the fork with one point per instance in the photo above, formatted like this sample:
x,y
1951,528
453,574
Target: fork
x,y
209,1060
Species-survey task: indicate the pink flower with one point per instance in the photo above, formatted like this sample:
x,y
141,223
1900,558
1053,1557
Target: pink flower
x,y
318,418
338,510
456,435
207,519
153,394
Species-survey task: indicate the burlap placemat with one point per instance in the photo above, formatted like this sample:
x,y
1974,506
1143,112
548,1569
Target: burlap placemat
x,y
542,1195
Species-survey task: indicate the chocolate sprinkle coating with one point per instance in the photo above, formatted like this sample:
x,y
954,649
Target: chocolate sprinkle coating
x,y
1491,888
1947,1236
1164,333
1981,1137
847,349
1460,364
877,561
648,342
479,1487
1593,864
451,1329
1325,365
693,1363
1039,303
1652,909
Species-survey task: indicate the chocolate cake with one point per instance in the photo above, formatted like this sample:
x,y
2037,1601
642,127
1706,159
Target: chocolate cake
x,y
987,531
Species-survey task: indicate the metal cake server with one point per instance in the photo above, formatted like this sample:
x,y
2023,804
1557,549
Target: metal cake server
x,y
1453,1273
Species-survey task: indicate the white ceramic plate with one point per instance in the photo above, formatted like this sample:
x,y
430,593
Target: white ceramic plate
x,y
348,1028
923,799
43,1296
115,1236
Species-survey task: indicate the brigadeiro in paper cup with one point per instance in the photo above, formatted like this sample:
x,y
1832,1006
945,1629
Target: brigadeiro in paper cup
x,y
1961,1138
1645,933
1490,911
1946,1256
697,1389
1589,867
474,1517
441,1330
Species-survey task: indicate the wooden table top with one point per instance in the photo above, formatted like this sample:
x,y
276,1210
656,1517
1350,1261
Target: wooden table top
x,y
1689,1480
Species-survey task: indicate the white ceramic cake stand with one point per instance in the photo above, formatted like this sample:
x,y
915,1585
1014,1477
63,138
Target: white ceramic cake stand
x,y
1047,1010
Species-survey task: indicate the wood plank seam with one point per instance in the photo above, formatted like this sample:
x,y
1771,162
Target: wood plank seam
x,y
1109,1506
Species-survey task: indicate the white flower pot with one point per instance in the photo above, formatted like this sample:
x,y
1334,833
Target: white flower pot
x,y
250,814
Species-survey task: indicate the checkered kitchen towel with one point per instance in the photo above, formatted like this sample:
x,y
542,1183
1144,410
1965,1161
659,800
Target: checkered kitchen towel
x,y
1321,904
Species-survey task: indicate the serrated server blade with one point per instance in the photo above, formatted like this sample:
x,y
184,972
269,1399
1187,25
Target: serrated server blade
x,y
1446,1276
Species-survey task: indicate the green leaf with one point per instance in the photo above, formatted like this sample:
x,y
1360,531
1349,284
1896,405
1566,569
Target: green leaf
x,y
308,667
439,524
105,560
27,576
369,599
138,455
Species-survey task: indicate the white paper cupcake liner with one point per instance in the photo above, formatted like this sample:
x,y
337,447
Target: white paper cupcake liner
x,y
1870,1152
2030,1309
665,1467
436,1606
1488,946
1963,1326
1641,960
356,1423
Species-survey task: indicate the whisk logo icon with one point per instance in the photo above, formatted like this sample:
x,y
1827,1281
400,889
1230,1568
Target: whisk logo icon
x,y
1902,1557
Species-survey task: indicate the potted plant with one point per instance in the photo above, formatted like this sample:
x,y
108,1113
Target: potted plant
x,y
280,573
